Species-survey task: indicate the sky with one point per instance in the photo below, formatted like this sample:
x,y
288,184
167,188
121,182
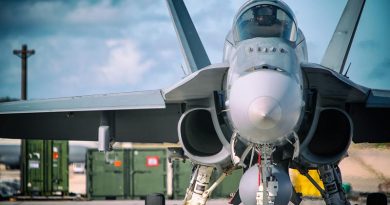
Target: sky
x,y
109,46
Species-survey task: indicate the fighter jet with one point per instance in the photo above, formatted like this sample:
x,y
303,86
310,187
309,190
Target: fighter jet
x,y
264,108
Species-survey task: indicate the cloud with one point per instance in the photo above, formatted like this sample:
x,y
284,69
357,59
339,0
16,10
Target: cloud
x,y
368,45
31,12
372,74
87,13
213,26
125,64
381,71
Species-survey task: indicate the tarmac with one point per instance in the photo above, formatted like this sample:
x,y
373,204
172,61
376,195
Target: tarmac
x,y
131,202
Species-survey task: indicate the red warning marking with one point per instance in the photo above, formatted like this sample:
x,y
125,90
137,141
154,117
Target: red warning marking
x,y
55,155
152,161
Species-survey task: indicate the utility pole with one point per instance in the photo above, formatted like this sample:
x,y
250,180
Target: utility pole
x,y
24,54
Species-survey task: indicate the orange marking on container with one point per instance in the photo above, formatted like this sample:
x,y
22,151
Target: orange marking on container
x,y
55,155
117,163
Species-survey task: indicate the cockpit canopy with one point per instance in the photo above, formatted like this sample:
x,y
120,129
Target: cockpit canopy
x,y
265,20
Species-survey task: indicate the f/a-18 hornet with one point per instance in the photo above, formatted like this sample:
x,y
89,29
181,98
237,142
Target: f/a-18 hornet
x,y
264,108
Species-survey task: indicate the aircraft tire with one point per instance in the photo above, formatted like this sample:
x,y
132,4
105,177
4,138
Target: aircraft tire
x,y
155,199
376,199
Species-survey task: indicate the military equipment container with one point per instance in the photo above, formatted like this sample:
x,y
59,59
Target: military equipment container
x,y
44,169
182,171
148,172
32,173
126,173
57,161
107,174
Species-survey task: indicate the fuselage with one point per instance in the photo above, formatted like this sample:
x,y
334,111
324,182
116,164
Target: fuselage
x,y
264,84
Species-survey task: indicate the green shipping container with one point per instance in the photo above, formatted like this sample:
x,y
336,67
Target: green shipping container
x,y
148,172
57,167
33,171
44,169
107,174
126,174
182,171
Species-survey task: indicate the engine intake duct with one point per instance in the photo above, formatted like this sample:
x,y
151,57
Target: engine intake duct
x,y
329,138
199,138
198,134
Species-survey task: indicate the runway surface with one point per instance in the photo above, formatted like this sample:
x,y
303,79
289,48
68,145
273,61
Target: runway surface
x,y
140,202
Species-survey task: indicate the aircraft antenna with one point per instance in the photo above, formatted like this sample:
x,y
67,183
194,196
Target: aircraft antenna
x,y
346,72
185,71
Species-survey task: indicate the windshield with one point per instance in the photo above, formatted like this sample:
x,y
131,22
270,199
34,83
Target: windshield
x,y
265,21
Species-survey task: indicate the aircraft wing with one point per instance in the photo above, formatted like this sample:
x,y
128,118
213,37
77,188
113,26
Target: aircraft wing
x,y
138,116
147,116
198,85
369,108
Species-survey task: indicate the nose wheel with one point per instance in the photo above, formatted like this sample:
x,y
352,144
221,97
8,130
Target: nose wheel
x,y
268,184
264,182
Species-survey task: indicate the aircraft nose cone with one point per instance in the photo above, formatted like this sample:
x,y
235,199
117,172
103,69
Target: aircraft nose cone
x,y
265,112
